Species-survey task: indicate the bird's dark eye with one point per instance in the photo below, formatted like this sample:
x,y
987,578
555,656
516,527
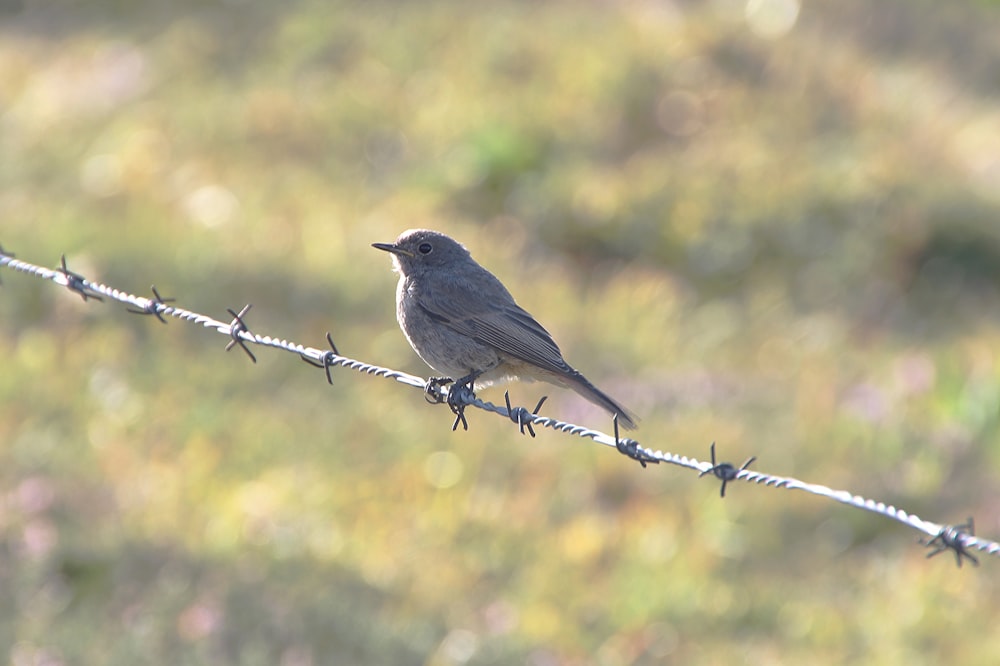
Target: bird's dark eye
x,y
425,248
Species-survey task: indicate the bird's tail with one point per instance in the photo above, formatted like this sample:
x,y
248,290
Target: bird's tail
x,y
582,385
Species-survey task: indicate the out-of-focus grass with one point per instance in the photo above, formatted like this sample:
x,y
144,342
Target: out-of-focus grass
x,y
776,231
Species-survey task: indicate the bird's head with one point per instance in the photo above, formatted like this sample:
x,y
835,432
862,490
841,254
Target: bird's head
x,y
421,249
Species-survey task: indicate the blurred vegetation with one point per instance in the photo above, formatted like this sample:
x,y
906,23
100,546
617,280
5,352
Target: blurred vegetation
x,y
771,226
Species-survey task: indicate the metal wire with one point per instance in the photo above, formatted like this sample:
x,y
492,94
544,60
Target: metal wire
x,y
958,539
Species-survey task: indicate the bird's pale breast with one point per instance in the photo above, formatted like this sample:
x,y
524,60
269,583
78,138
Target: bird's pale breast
x,y
450,353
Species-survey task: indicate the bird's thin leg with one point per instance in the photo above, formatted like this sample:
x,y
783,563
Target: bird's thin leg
x,y
469,379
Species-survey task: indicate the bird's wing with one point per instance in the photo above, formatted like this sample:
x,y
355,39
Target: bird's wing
x,y
507,326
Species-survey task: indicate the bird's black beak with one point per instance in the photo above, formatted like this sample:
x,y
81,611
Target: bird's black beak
x,y
395,249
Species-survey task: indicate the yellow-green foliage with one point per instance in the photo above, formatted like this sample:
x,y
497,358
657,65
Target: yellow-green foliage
x,y
769,225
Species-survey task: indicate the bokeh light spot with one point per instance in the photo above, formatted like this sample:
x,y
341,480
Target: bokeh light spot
x,y
443,469
772,18
211,205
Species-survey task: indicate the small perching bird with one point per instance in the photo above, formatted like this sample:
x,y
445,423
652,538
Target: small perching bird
x,y
463,322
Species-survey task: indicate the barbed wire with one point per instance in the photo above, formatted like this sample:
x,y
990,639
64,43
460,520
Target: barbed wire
x,y
959,539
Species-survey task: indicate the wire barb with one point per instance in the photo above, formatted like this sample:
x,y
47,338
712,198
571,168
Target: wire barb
x,y
328,359
630,448
153,306
460,396
725,471
520,415
236,330
953,538
76,282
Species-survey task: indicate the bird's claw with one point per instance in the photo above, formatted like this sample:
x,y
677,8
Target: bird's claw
x,y
432,389
458,397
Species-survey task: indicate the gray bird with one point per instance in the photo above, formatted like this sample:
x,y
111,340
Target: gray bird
x,y
463,322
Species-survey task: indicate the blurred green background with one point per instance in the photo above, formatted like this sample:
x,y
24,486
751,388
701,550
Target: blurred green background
x,y
771,225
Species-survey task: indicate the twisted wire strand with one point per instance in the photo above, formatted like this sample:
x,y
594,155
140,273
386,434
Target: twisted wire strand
x,y
958,539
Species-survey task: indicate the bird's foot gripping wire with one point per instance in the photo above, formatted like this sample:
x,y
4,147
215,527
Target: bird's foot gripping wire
x,y
457,397
432,389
